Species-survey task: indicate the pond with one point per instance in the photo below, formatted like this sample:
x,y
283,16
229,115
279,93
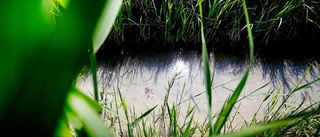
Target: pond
x,y
144,79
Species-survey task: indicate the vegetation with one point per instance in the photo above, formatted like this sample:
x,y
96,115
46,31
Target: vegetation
x,y
171,119
153,24
43,60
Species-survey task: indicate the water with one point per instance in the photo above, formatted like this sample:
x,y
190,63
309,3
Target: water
x,y
143,80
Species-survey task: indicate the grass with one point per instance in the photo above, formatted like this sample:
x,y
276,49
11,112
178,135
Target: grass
x,y
170,127
179,118
167,121
175,23
43,62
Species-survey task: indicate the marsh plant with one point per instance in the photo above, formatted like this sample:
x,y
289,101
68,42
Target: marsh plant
x,y
41,63
175,22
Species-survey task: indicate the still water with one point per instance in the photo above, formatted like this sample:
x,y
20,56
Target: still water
x,y
144,78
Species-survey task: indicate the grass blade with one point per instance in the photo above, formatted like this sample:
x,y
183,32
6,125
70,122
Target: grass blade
x,y
275,99
142,116
93,68
250,37
252,131
87,111
105,22
305,85
63,128
175,124
64,3
225,111
207,77
187,130
124,106
100,33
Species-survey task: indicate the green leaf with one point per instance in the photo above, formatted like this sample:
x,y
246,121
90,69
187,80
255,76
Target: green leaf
x,y
187,130
63,128
41,62
225,111
275,99
253,131
305,85
142,116
87,110
64,3
206,69
111,111
105,22
175,124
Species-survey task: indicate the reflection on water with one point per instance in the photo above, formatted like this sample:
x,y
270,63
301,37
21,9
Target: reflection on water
x,y
143,78
115,69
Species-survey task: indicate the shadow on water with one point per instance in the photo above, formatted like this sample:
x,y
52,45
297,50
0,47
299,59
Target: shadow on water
x,y
288,72
129,65
116,67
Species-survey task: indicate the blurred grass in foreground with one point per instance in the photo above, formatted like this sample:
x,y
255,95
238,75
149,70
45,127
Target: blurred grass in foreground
x,y
41,60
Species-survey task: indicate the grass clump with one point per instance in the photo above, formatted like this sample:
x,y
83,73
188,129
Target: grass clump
x,y
175,23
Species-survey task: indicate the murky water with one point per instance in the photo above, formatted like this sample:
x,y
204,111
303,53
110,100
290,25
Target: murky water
x,y
144,78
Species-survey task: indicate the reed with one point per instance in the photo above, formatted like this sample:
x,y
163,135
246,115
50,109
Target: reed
x,y
175,23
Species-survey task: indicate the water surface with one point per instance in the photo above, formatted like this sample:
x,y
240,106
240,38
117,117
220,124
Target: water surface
x,y
143,79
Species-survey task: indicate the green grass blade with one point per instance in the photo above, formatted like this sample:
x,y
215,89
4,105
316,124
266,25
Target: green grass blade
x,y
255,130
207,77
87,110
169,113
63,128
93,67
123,103
300,81
105,22
111,111
64,3
250,36
225,111
117,110
125,109
175,124
142,116
186,132
268,95
190,111
275,99
305,85
259,89
103,28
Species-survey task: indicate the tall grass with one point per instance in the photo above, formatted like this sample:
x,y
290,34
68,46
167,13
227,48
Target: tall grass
x,y
172,126
166,123
176,22
38,96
